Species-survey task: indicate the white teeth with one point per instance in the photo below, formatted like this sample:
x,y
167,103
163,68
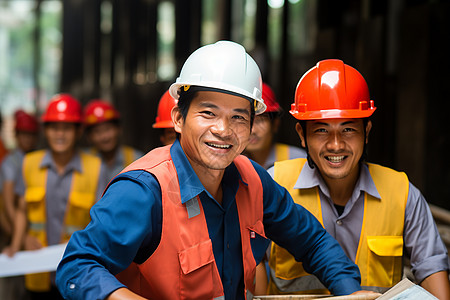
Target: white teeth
x,y
219,146
335,159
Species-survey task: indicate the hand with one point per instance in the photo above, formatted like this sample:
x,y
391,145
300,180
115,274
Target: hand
x,y
9,251
32,243
369,294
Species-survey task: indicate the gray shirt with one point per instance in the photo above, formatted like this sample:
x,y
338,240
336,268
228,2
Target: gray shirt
x,y
422,242
57,192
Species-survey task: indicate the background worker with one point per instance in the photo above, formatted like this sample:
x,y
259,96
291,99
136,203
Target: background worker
x,y
262,146
26,134
193,216
103,131
57,188
163,121
374,212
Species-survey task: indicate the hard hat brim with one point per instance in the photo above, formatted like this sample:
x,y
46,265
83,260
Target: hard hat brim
x,y
333,114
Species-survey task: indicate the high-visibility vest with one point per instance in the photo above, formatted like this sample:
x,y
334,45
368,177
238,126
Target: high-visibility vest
x,y
380,248
281,152
81,198
183,265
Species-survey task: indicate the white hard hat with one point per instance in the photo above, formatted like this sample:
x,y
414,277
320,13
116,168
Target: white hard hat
x,y
225,66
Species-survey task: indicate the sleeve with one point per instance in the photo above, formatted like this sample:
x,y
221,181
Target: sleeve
x,y
423,244
294,228
9,171
126,220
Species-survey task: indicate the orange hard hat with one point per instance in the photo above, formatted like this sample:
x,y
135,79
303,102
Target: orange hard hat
x,y
63,108
332,90
99,111
269,99
26,122
165,105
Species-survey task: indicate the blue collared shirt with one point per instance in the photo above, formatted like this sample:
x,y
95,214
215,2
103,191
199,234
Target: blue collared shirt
x,y
126,227
422,242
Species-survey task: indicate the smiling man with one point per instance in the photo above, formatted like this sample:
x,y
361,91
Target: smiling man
x,y
375,213
190,220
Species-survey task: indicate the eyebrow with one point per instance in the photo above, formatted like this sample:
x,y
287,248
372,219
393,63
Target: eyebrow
x,y
341,124
212,105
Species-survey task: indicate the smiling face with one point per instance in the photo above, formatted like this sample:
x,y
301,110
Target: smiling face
x,y
335,146
104,136
216,129
61,137
263,132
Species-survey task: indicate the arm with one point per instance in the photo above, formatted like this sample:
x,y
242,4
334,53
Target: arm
x,y
19,229
9,197
424,246
125,225
438,285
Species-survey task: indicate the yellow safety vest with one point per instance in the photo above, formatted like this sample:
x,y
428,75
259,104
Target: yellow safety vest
x,y
281,152
380,249
81,198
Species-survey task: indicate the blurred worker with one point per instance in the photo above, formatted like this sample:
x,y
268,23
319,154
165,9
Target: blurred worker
x,y
193,217
102,122
27,134
57,188
163,121
262,147
374,212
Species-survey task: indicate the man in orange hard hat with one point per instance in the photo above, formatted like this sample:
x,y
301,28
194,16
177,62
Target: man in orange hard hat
x,y
163,121
56,189
375,213
262,146
102,122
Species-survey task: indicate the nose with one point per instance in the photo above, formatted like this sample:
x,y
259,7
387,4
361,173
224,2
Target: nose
x,y
221,128
335,142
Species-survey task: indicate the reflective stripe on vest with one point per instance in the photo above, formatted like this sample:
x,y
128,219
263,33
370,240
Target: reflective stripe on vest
x,y
281,152
81,198
379,254
185,251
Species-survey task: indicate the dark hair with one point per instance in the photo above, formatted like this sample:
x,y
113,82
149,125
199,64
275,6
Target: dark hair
x,y
186,97
308,157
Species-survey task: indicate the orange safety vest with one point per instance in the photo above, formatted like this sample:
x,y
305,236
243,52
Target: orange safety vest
x,y
380,249
81,198
183,265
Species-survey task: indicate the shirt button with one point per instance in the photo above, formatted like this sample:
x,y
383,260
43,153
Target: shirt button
x,y
72,286
339,222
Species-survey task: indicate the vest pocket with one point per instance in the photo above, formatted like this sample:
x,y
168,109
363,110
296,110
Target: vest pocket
x,y
34,197
198,269
384,260
77,216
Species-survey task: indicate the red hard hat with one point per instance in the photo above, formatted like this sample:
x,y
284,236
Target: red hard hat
x,y
332,90
26,122
98,111
63,108
269,99
164,118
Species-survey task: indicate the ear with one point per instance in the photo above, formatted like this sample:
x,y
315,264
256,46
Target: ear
x,y
301,134
368,128
177,118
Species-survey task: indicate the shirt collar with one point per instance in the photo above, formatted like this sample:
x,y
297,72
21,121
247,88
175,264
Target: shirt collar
x,y
190,185
73,165
311,178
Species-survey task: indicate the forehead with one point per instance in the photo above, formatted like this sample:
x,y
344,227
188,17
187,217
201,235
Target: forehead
x,y
220,100
335,122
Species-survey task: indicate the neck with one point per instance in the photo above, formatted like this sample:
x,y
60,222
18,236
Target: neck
x,y
109,156
341,189
260,156
62,159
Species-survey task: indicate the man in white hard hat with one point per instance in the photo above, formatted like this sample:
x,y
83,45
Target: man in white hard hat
x,y
191,220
